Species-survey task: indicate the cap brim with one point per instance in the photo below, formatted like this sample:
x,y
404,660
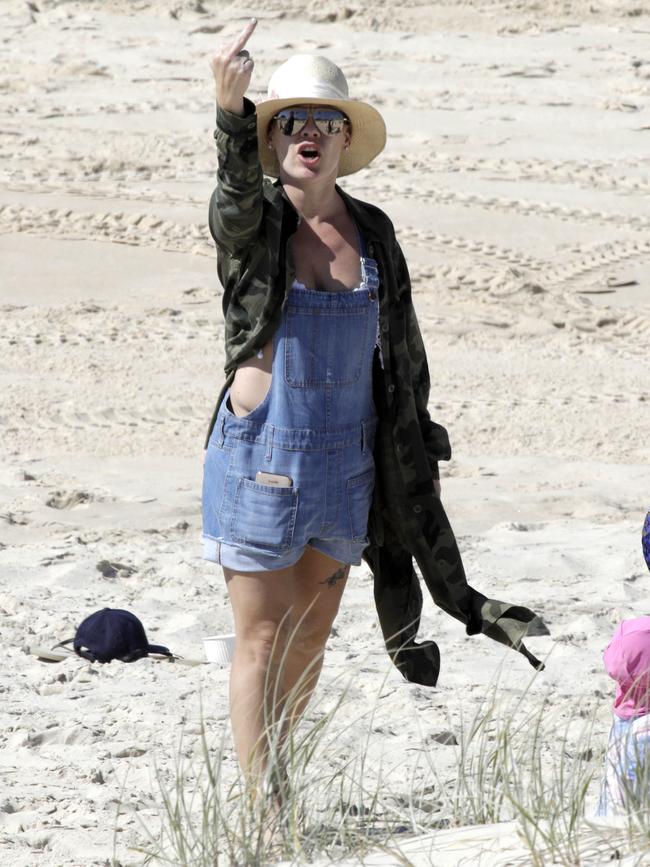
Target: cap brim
x,y
158,648
48,655
368,132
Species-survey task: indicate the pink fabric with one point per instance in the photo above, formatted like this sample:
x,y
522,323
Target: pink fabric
x,y
627,661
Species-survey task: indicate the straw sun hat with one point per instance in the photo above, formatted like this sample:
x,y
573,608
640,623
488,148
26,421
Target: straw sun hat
x,y
309,79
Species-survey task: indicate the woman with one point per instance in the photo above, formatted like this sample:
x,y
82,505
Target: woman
x,y
325,403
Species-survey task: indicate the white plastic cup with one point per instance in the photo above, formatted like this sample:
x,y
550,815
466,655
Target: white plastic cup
x,y
219,648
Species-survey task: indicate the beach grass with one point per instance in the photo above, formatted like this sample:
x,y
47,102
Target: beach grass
x,y
514,759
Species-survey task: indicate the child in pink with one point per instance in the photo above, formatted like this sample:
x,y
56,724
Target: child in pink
x,y
626,785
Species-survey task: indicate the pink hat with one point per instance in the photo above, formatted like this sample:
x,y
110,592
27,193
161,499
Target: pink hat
x,y
627,661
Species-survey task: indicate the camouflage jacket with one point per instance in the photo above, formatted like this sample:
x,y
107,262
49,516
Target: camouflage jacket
x,y
251,220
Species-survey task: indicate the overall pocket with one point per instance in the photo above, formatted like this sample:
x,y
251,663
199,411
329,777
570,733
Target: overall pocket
x,y
216,466
359,495
325,345
263,516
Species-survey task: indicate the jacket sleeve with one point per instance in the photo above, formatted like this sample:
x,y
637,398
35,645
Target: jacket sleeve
x,y
436,440
236,204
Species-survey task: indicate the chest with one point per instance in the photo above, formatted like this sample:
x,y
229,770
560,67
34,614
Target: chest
x,y
327,256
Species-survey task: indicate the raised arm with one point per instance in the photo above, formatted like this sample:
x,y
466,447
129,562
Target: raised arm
x,y
236,204
232,67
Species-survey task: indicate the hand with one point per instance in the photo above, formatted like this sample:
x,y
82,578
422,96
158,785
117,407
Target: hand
x,y
232,67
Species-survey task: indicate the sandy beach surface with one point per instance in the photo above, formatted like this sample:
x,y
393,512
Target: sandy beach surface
x,y
517,175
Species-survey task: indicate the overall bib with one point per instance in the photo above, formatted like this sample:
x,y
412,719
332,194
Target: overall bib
x,y
315,427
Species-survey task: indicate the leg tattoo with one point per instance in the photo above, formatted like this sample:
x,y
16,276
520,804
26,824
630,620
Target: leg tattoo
x,y
333,580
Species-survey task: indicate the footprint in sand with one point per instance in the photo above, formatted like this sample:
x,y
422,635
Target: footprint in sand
x,y
75,734
68,499
113,570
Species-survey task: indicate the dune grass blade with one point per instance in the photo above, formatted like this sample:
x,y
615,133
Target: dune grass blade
x,y
208,819
517,757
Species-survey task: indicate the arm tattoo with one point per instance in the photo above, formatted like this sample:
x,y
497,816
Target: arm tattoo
x,y
334,579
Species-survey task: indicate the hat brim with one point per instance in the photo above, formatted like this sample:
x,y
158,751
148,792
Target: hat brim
x,y
368,132
46,654
158,648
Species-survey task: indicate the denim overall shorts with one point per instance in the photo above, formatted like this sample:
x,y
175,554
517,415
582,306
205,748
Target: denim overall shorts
x,y
315,426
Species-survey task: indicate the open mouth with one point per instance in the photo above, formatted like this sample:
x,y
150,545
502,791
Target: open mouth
x,y
309,154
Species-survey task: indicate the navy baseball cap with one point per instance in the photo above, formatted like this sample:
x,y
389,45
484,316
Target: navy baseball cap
x,y
113,633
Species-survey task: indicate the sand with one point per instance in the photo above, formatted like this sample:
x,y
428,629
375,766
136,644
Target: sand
x,y
517,175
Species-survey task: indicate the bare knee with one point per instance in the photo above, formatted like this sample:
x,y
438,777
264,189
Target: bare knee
x,y
261,642
310,635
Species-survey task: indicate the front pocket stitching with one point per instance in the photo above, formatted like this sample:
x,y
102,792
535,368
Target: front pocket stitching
x,y
360,479
270,491
355,482
224,494
312,383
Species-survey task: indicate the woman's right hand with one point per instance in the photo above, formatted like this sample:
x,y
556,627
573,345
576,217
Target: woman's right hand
x,y
232,67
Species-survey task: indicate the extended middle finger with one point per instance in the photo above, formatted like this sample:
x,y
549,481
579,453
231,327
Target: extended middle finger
x,y
243,37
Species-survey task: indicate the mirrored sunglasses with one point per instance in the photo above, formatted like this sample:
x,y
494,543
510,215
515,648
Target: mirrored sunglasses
x,y
291,121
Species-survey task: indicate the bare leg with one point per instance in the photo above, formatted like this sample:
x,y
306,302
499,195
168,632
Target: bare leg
x,y
317,594
260,602
282,621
